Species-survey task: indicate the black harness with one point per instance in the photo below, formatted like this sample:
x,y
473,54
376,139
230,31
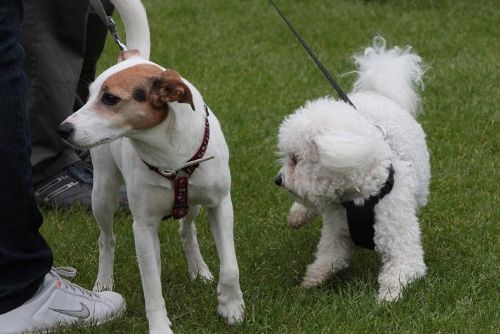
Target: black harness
x,y
362,218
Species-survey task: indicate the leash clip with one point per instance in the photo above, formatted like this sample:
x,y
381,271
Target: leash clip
x,y
108,22
112,30
167,173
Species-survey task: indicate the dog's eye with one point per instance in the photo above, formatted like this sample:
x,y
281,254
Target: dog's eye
x,y
109,99
293,159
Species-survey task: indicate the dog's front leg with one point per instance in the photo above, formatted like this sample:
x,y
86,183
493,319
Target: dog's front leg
x,y
397,236
146,239
187,231
334,248
231,305
105,193
299,215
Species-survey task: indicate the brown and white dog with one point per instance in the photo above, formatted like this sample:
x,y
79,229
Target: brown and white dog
x,y
141,115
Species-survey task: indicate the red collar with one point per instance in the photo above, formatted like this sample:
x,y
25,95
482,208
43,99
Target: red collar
x,y
180,208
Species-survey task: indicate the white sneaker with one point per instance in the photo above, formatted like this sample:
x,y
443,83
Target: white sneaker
x,y
61,303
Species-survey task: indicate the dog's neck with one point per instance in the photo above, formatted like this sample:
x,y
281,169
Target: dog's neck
x,y
369,183
173,142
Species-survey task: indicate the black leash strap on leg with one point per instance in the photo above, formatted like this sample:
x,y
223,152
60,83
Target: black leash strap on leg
x,y
313,56
108,22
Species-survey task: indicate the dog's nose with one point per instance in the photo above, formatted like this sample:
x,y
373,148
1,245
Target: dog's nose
x,y
278,180
65,129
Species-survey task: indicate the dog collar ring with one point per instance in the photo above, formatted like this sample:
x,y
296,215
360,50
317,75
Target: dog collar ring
x,y
173,173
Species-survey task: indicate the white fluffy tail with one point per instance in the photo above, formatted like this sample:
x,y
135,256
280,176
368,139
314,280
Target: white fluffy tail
x,y
394,73
134,19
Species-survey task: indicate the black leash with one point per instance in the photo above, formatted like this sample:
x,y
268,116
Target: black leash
x,y
323,69
108,22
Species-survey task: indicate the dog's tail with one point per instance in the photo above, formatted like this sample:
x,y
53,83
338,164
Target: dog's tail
x,y
395,73
134,19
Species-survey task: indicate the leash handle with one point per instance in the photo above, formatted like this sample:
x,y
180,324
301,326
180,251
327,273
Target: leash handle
x,y
313,56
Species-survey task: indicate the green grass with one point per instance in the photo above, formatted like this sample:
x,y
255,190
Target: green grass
x,y
252,73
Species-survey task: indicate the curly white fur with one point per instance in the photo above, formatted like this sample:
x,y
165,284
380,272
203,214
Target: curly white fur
x,y
394,73
332,153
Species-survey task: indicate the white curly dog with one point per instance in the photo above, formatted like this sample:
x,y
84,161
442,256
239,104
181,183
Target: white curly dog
x,y
356,165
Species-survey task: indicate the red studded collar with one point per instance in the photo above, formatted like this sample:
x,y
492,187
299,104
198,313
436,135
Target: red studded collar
x,y
180,177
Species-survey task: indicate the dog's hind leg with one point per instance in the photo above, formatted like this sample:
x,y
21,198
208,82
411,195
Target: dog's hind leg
x,y
187,231
229,294
105,193
334,248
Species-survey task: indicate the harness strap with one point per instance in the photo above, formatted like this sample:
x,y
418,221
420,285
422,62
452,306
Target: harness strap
x,y
180,207
361,219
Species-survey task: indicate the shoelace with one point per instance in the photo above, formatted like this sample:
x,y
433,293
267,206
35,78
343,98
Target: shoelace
x,y
69,272
66,272
75,174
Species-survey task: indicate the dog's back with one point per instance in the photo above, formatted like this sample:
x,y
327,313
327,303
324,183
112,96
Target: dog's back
x,y
386,92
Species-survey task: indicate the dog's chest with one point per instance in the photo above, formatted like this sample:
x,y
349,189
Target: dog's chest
x,y
361,219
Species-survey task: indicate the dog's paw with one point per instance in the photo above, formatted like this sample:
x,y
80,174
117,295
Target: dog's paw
x,y
98,286
201,273
389,295
315,275
232,312
161,331
159,323
299,216
393,284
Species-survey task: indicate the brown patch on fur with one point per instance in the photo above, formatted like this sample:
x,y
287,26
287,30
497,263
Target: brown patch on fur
x,y
122,83
144,91
169,87
130,111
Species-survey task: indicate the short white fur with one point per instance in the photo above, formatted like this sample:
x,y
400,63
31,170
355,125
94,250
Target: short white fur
x,y
118,154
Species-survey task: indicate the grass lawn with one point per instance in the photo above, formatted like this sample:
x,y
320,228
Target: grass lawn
x,y
252,73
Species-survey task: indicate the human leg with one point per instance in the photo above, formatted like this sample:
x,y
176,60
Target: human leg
x,y
62,30
25,258
32,296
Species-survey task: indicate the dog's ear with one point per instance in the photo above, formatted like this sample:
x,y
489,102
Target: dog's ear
x,y
169,87
344,151
126,54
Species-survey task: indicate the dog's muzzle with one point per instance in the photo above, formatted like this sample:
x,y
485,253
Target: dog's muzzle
x,y
279,180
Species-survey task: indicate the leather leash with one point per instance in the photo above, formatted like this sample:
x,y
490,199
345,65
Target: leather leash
x,y
315,58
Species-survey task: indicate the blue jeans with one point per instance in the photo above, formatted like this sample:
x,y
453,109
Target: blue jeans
x,y
25,257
